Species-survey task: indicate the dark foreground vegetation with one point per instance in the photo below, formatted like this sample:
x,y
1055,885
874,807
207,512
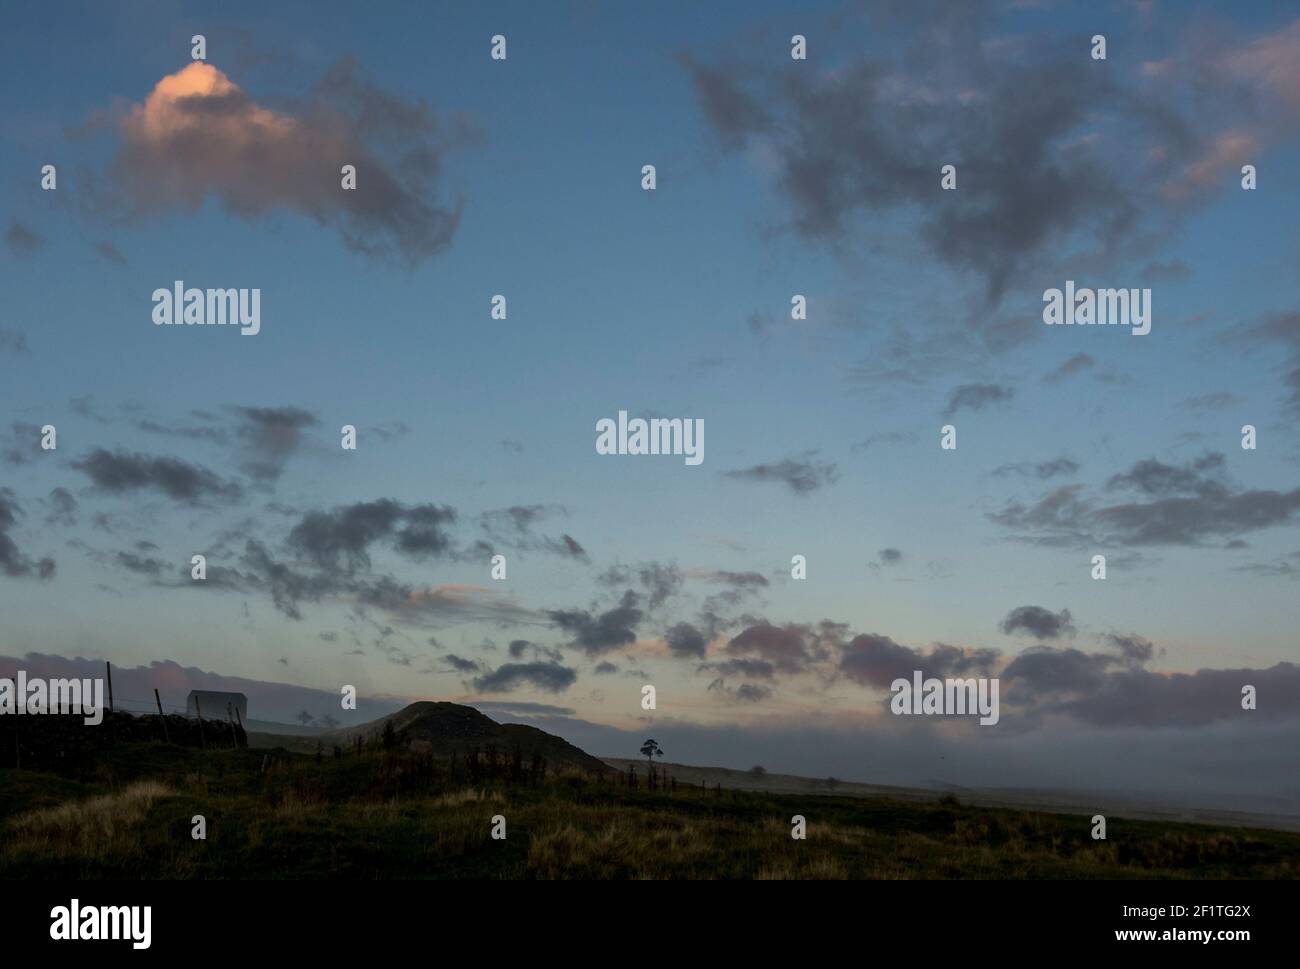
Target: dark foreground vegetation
x,y
401,813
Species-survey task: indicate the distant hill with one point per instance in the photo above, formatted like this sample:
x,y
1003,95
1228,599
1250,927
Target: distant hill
x,y
450,729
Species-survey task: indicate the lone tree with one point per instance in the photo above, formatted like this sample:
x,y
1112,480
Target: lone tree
x,y
758,770
651,749
305,718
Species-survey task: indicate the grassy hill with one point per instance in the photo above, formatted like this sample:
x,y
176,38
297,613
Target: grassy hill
x,y
446,730
406,813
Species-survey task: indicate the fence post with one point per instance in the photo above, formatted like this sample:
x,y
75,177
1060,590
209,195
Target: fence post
x,y
162,716
240,720
108,669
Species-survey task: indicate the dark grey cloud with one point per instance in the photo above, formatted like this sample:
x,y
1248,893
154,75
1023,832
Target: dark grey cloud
x,y
758,669
271,436
684,639
1152,477
745,693
513,527
216,434
1075,364
1039,622
875,660
976,397
142,565
800,475
1041,470
1214,401
605,631
520,648
1282,330
340,539
548,677
740,580
790,648
22,240
111,253
462,665
660,581
890,556
885,437
13,341
1188,504
119,472
13,562
63,507
24,443
868,138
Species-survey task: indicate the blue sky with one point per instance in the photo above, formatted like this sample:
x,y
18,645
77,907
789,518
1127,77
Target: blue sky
x,y
675,303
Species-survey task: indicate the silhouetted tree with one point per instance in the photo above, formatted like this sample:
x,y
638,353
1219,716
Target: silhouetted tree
x,y
304,718
758,770
650,750
389,738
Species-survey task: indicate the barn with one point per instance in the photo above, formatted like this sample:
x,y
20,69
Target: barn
x,y
216,704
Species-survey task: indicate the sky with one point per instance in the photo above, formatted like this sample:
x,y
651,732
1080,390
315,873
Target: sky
x,y
774,177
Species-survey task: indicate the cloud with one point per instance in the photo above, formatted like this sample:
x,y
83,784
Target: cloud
x,y
684,639
22,240
890,556
605,631
660,581
198,135
875,660
111,253
1041,470
976,396
1038,622
745,693
886,437
513,527
462,665
119,472
800,476
63,507
519,648
758,669
13,562
271,435
13,341
140,564
790,648
869,136
1283,329
1075,364
1189,505
339,540
549,677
